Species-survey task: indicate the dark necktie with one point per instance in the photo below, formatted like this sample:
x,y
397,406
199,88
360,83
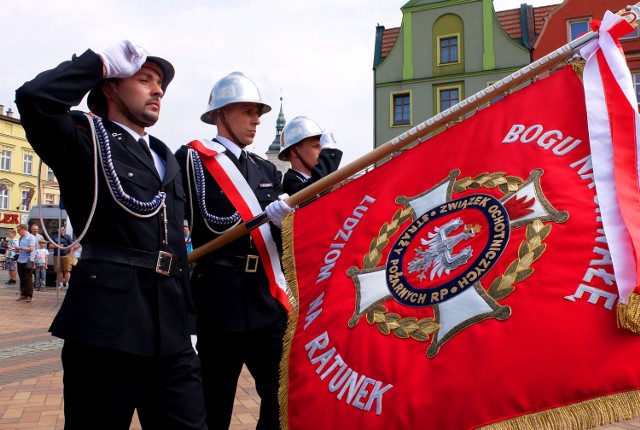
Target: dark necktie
x,y
243,163
145,148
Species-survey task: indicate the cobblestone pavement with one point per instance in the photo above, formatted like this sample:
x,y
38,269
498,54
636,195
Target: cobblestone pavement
x,y
31,372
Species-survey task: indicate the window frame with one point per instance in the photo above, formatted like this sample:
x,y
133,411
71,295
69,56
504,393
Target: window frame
x,y
633,35
5,159
4,198
635,77
585,19
405,107
24,193
27,163
442,37
440,89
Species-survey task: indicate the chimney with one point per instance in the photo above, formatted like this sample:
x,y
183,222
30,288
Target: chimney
x,y
9,113
1,109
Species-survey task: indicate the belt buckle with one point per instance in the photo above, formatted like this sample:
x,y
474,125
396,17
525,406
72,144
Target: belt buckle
x,y
163,264
251,265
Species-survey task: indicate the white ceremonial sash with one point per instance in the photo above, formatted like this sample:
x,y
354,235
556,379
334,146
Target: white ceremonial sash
x,y
614,134
238,191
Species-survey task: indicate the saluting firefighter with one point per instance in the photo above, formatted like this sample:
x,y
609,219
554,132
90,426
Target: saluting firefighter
x,y
239,289
127,316
311,152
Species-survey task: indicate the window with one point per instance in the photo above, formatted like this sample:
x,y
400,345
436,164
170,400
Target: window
x,y
577,28
5,160
497,98
401,109
448,50
27,164
447,46
48,199
448,97
633,35
25,201
636,84
50,176
4,198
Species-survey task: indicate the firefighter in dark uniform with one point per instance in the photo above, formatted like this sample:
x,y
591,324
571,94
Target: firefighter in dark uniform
x,y
310,151
128,316
240,322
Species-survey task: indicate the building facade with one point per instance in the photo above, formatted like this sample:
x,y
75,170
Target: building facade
x,y
19,166
572,18
443,52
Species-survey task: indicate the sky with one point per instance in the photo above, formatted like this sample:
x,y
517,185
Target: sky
x,y
317,56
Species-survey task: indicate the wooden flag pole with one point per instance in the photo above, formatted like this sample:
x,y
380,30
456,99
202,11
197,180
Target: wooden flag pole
x,y
414,134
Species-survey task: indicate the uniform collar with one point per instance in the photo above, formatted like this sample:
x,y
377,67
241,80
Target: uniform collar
x,y
133,134
301,174
232,147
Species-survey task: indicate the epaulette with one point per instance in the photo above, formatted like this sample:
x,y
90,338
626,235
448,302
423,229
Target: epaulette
x,y
254,155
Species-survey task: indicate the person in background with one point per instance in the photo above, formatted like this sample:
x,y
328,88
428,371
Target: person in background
x,y
76,252
61,243
127,317
41,256
10,257
310,151
187,239
26,247
35,231
249,321
39,283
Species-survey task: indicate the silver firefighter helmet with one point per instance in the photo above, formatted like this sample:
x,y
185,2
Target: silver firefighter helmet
x,y
296,131
233,88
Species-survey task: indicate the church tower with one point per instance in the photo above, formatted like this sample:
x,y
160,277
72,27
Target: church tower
x,y
274,148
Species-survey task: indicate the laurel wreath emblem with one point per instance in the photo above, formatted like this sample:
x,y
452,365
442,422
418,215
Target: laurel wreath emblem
x,y
529,251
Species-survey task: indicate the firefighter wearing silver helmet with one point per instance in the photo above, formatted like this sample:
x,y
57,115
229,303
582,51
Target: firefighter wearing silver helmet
x,y
223,179
310,151
233,88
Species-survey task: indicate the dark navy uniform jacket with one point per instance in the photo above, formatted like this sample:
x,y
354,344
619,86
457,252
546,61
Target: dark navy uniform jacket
x,y
228,297
128,308
328,162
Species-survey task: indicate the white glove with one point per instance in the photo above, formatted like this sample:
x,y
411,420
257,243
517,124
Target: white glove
x,y
276,211
194,341
328,141
123,60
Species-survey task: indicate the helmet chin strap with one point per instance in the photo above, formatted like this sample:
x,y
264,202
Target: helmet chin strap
x,y
304,163
125,110
234,138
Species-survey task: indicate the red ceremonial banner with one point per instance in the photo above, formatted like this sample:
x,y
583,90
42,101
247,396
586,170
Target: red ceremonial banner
x,y
465,283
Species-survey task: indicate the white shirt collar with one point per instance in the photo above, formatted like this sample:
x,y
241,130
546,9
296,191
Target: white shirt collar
x,y
157,160
133,134
235,149
304,175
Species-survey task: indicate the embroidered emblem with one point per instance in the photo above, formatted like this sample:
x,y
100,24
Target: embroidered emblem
x,y
268,185
438,261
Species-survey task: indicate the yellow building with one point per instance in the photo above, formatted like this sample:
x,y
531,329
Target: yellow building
x,y
19,166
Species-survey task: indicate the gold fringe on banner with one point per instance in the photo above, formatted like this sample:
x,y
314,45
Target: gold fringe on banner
x,y
289,267
578,416
629,313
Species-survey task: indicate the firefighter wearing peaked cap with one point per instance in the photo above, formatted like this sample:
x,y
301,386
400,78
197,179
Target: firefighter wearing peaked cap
x,y
238,287
311,152
127,315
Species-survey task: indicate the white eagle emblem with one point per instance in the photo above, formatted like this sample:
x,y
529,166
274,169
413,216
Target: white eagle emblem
x,y
440,252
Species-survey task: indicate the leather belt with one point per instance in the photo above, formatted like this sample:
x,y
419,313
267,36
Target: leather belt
x,y
161,262
248,263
